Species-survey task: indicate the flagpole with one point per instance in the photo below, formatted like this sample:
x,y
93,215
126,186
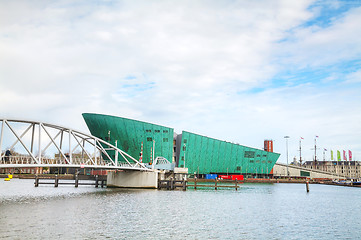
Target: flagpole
x,y
300,152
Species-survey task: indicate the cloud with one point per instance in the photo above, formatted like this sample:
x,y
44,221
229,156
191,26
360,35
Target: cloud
x,y
240,71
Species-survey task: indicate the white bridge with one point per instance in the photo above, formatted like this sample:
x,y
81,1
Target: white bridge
x,y
70,148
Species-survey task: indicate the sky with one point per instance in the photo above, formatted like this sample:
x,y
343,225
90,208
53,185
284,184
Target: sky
x,y
240,71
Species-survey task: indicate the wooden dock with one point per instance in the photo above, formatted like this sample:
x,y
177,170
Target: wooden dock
x,y
215,183
76,182
172,184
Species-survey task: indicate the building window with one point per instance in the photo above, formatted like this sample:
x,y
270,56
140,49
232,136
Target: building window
x,y
182,158
165,139
185,140
184,148
148,130
238,168
251,161
249,154
149,139
157,131
165,131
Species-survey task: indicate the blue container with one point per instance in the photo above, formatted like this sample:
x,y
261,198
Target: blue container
x,y
211,176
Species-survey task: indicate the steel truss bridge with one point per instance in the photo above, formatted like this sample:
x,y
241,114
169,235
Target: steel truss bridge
x,y
71,148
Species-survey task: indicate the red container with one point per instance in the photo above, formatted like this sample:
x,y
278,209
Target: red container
x,y
225,176
237,177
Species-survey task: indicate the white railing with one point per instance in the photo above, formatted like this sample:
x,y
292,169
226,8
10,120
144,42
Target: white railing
x,y
93,151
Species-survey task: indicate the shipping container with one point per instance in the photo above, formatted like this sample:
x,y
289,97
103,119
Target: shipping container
x,y
238,177
211,176
225,177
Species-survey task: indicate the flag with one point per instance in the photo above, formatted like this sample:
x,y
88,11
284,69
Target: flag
x,y
324,149
317,136
331,155
344,155
302,138
350,155
338,155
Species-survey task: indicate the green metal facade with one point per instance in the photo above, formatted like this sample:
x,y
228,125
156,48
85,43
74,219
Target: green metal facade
x,y
130,134
207,155
201,154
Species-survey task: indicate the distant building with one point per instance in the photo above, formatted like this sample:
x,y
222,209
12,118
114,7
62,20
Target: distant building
x,y
348,169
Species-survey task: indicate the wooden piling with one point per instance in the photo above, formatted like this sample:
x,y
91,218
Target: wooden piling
x,y
96,181
195,183
184,185
36,181
215,184
236,185
76,180
307,187
56,181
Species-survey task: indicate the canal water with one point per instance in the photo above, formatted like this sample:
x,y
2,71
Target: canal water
x,y
255,211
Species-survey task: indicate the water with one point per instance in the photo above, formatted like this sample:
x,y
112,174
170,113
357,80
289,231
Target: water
x,y
255,211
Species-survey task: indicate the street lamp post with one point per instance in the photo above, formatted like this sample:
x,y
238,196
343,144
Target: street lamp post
x,y
287,137
184,156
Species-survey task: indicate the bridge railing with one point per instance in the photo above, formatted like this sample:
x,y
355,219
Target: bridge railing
x,y
73,148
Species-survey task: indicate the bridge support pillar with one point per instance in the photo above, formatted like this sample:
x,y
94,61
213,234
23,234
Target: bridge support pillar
x,y
132,179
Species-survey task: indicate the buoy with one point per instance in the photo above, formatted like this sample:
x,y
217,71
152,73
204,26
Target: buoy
x,y
7,179
10,176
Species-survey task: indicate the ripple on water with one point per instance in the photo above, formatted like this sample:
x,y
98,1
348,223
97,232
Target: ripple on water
x,y
256,211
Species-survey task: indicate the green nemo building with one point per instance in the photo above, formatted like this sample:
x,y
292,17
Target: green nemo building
x,y
200,154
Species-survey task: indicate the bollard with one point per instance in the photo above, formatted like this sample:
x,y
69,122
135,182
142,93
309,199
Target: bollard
x,y
195,183
76,180
56,181
307,187
36,181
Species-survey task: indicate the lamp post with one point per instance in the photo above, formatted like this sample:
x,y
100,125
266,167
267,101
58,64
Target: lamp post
x,y
184,155
287,137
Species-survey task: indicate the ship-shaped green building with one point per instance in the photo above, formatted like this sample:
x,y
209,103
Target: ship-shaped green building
x,y
200,154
